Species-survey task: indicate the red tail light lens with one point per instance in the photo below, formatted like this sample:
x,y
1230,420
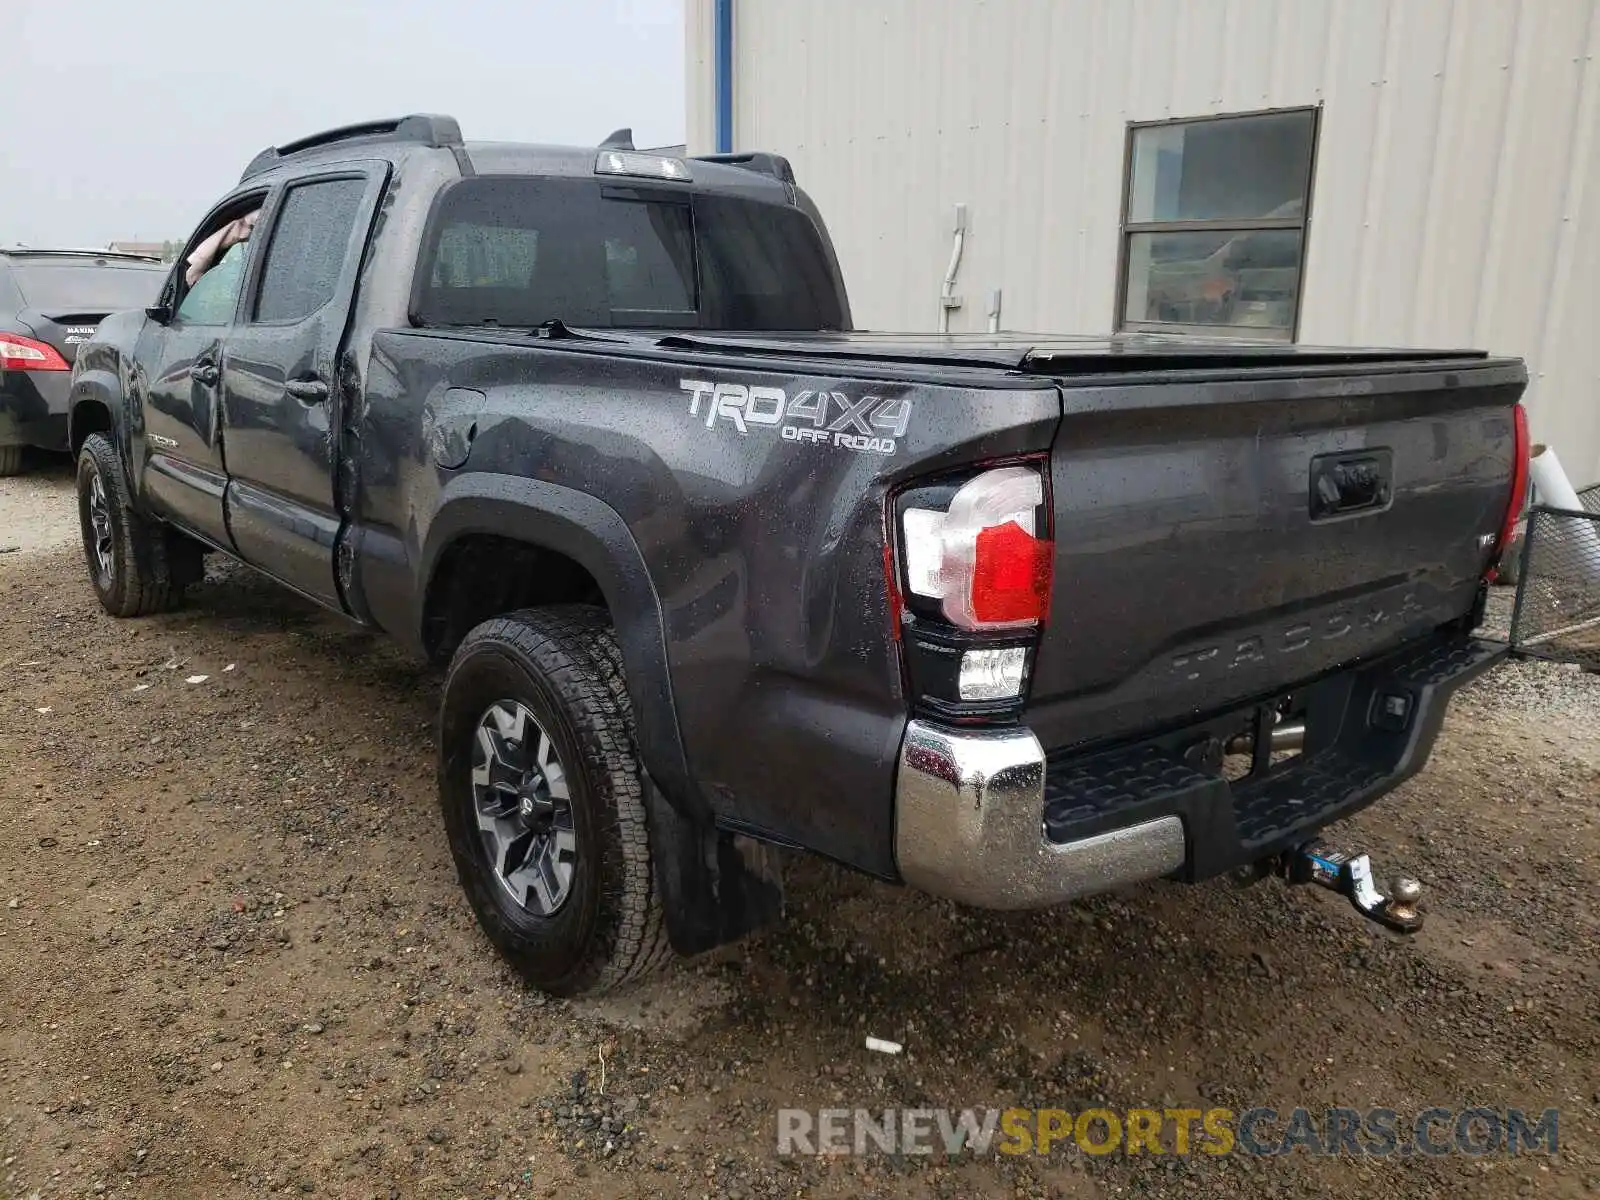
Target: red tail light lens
x,y
18,353
1519,487
1010,577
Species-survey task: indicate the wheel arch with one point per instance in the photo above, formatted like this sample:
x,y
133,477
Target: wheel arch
x,y
92,412
583,530
95,406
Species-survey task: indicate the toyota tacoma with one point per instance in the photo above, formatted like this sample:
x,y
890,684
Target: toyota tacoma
x,y
1010,619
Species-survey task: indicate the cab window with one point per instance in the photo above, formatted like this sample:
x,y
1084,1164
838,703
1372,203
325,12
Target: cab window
x,y
212,273
305,258
213,297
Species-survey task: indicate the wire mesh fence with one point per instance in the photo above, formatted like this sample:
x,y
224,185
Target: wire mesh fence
x,y
1557,614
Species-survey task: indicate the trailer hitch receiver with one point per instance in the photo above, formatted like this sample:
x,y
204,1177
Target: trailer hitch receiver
x,y
1351,876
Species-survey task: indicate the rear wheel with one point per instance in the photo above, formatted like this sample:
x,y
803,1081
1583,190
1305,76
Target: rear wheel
x,y
542,800
136,565
10,460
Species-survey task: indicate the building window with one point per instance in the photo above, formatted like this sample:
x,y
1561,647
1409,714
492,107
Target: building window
x,y
1214,224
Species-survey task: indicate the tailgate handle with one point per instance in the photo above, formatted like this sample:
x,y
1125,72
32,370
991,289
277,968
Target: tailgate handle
x,y
309,391
1347,483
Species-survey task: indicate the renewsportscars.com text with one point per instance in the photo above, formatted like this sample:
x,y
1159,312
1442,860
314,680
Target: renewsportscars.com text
x,y
1260,1132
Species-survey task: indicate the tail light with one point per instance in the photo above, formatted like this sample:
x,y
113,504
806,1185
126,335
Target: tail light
x,y
18,353
983,558
1519,487
976,560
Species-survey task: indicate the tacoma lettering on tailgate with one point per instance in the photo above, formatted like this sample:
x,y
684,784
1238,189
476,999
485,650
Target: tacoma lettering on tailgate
x,y
1208,661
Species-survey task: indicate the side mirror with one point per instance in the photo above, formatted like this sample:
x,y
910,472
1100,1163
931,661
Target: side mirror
x,y
161,313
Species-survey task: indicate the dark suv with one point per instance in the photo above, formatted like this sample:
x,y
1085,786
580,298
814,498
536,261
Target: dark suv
x,y
51,301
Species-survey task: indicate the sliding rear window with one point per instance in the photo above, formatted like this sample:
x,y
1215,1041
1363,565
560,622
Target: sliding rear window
x,y
515,251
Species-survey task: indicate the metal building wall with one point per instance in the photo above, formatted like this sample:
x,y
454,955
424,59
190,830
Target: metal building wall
x,y
1457,192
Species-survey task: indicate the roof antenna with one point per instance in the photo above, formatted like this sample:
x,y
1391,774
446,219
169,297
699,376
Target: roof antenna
x,y
619,139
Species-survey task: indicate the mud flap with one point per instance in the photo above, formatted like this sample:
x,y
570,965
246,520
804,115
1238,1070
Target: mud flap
x,y
186,564
716,886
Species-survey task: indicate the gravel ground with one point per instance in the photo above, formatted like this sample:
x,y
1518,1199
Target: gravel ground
x,y
234,960
37,509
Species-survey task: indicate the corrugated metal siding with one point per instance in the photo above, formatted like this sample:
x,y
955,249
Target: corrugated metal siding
x,y
1457,197
700,106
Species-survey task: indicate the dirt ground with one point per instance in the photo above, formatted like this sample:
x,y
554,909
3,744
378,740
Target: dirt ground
x,y
234,960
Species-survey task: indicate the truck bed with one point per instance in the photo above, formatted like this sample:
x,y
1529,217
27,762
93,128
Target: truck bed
x,y
1191,573
1192,568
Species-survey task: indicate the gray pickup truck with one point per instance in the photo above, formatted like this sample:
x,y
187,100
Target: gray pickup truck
x,y
1010,619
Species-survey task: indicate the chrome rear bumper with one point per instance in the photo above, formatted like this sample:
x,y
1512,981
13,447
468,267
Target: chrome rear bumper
x,y
969,825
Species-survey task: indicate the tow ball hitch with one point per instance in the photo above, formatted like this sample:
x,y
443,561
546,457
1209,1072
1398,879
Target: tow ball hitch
x,y
1351,875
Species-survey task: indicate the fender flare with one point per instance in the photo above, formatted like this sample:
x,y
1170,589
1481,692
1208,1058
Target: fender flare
x,y
592,534
101,387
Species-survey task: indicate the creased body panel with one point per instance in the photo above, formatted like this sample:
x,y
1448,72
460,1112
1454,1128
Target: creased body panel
x,y
756,500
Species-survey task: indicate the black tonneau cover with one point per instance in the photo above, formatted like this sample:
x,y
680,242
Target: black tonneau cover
x,y
1057,354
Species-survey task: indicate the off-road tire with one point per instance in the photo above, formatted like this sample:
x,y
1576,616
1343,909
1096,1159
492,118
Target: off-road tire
x,y
562,664
10,460
149,562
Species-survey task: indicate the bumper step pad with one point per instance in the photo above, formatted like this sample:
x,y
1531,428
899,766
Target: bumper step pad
x,y
1366,732
1084,792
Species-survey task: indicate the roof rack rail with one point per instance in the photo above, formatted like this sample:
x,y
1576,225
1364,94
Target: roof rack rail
x,y
756,160
429,129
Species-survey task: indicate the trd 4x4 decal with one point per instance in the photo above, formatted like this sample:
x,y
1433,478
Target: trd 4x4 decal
x,y
867,425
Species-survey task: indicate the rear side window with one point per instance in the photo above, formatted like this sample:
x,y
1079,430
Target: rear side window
x,y
306,254
508,250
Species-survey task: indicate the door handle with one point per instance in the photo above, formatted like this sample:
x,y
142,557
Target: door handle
x,y
312,391
205,373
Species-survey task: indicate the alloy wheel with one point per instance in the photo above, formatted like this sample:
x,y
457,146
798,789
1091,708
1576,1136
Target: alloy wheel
x,y
523,805
100,525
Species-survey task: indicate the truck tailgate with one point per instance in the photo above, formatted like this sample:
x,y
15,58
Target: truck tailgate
x,y
1218,538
